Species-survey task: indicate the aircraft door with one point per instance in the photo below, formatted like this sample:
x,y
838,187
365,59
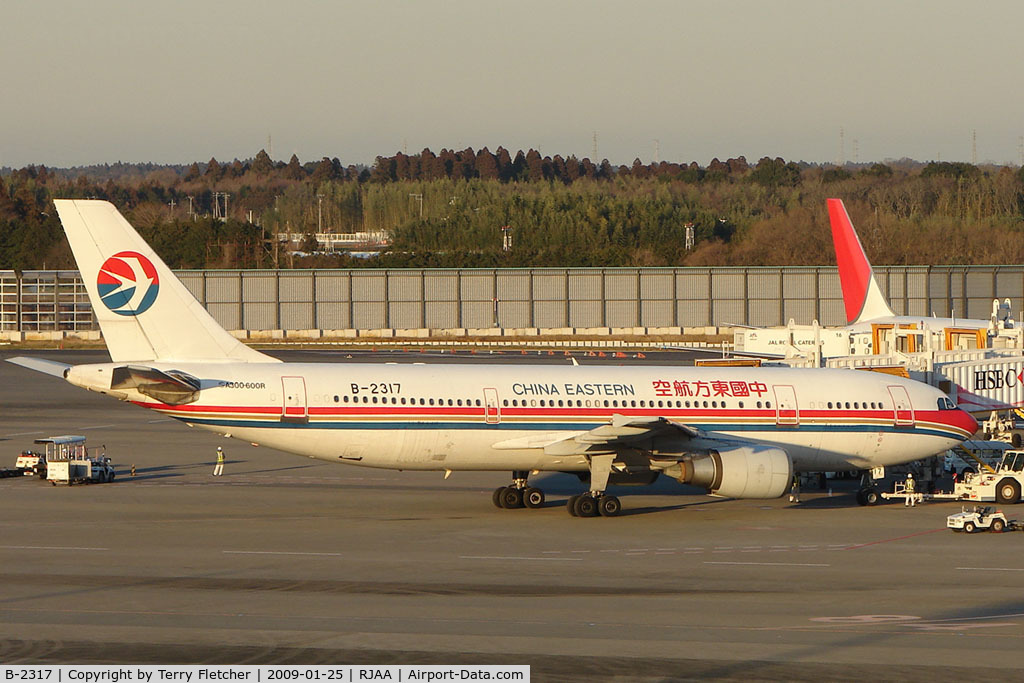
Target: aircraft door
x,y
787,412
492,410
903,411
294,397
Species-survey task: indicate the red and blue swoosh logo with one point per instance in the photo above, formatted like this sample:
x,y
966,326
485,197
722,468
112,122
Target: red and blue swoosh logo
x,y
128,283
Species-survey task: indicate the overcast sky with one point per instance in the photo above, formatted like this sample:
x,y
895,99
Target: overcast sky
x,y
176,82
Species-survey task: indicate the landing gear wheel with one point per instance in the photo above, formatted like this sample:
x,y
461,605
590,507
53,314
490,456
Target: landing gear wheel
x,y
871,497
533,498
1008,492
609,506
496,496
969,527
860,497
570,505
586,506
998,526
511,498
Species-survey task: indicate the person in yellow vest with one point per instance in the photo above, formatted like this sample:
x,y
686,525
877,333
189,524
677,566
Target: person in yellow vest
x,y
218,469
911,500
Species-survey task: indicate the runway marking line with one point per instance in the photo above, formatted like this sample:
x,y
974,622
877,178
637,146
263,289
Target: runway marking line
x,y
991,569
890,540
23,434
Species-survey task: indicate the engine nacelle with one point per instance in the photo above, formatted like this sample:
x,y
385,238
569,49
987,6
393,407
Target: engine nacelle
x,y
740,472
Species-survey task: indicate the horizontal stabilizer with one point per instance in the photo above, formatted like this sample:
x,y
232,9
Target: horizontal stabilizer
x,y
167,386
49,367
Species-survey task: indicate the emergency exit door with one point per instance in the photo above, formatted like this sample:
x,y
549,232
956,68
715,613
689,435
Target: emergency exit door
x,y
294,398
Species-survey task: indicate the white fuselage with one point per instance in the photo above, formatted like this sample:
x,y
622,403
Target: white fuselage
x,y
498,417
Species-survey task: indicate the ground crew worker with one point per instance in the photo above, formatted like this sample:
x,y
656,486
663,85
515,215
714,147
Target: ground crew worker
x,y
794,490
218,469
911,500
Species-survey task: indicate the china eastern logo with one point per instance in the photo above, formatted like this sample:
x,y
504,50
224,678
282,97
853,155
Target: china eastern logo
x,y
128,283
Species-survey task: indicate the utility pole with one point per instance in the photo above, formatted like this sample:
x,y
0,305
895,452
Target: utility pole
x,y
417,197
190,214
974,147
319,213
594,149
170,214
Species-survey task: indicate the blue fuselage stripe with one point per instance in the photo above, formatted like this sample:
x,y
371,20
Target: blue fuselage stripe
x,y
561,426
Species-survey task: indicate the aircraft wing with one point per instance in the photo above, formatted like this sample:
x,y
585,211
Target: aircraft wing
x,y
622,432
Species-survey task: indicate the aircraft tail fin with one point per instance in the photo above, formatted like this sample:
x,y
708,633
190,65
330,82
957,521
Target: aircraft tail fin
x,y
145,312
861,295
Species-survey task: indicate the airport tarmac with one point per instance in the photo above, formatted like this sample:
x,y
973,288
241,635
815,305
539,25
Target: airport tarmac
x,y
290,560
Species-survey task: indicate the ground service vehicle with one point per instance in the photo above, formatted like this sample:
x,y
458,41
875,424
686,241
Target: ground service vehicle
x,y
979,456
69,461
31,463
979,518
1002,485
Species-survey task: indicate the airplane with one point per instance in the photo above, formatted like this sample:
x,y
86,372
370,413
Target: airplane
x,y
872,328
737,432
866,306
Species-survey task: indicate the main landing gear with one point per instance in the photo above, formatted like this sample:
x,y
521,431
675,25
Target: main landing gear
x,y
591,505
595,503
519,494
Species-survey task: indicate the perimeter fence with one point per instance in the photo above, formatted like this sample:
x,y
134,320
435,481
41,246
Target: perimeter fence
x,y
443,299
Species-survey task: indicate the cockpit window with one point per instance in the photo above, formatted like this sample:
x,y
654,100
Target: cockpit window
x,y
946,404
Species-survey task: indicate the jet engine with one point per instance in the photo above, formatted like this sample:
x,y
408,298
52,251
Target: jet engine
x,y
739,472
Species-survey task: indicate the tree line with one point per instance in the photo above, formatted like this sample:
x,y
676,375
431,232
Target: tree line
x,y
449,210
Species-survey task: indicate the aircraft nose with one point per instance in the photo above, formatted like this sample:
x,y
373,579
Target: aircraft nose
x,y
966,421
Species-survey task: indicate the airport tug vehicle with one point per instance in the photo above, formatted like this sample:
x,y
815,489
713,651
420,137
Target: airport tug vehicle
x,y
980,518
1002,484
69,461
